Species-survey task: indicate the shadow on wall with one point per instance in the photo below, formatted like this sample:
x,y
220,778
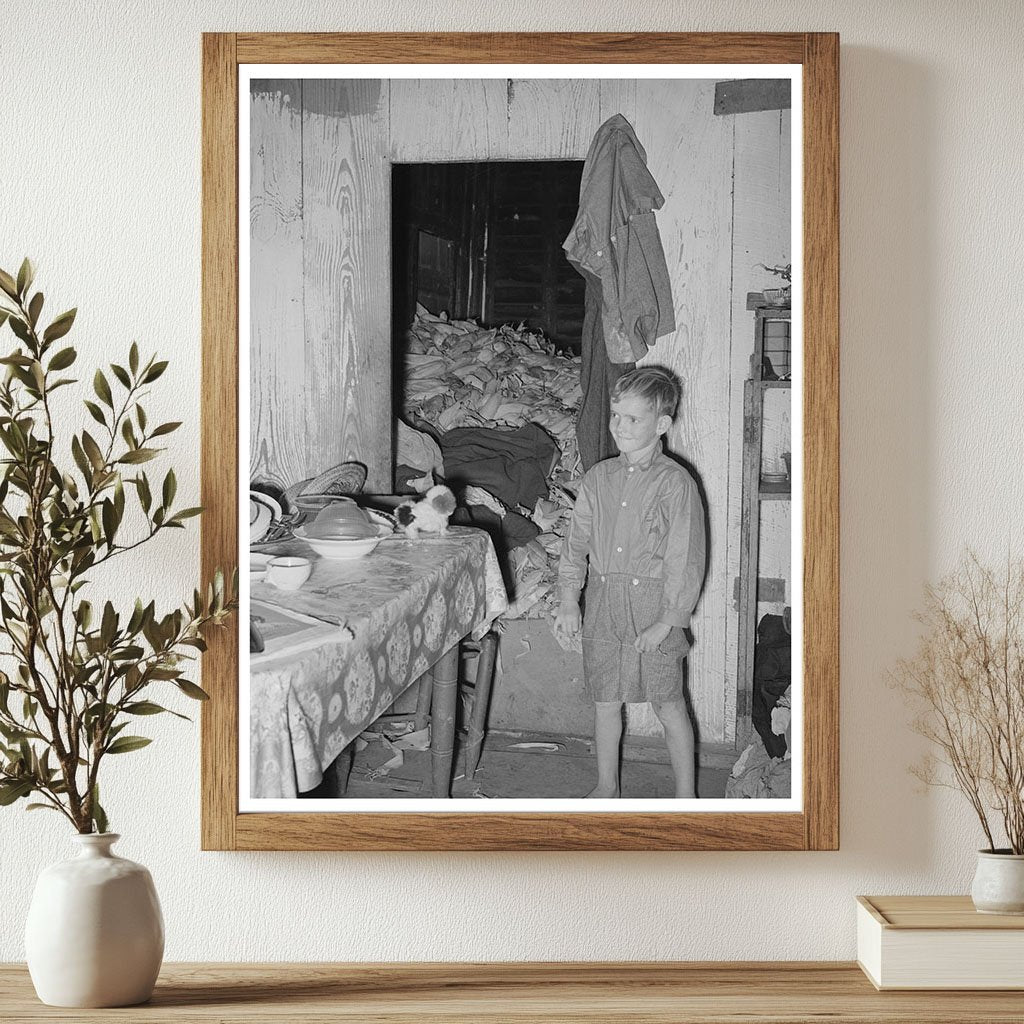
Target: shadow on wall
x,y
888,259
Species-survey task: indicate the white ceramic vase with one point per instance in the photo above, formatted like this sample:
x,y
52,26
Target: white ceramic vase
x,y
999,883
95,933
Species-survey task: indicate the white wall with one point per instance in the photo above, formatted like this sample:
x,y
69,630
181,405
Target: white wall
x,y
99,181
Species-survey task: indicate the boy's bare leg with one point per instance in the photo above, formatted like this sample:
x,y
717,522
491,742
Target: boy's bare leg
x,y
607,734
679,738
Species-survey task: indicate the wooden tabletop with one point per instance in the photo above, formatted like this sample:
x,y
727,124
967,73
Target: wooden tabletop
x,y
665,993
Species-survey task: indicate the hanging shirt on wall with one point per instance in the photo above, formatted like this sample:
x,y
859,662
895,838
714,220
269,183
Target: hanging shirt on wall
x,y
615,246
615,240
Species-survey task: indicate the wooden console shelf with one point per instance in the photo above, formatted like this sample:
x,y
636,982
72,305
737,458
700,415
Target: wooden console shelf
x,y
664,993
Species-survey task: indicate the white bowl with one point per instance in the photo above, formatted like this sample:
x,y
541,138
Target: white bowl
x,y
342,548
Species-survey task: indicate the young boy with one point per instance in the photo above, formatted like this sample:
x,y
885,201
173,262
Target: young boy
x,y
639,522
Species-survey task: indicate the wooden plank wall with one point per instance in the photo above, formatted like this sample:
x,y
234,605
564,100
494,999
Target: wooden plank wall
x,y
352,131
320,375
277,383
761,204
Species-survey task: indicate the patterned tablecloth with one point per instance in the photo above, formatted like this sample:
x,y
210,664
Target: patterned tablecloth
x,y
406,603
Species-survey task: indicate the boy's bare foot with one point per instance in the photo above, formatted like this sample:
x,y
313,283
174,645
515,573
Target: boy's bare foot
x,y
602,793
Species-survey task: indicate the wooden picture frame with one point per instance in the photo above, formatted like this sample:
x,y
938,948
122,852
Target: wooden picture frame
x,y
816,825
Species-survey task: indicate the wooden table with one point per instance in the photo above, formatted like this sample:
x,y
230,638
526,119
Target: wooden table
x,y
781,993
406,606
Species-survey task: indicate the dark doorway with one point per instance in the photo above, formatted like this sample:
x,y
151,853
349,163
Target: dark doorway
x,y
484,241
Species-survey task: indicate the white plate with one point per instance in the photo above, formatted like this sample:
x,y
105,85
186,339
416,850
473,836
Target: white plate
x,y
264,511
260,518
266,499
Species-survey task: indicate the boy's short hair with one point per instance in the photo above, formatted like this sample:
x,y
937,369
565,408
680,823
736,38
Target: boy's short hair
x,y
657,384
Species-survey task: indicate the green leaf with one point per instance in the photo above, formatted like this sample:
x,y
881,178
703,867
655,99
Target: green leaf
x,y
102,388
121,374
95,412
109,521
191,690
170,487
144,707
133,358
145,497
12,733
165,428
81,461
186,513
14,790
99,816
20,328
26,273
34,308
92,449
154,372
138,455
128,433
41,807
140,415
60,326
63,359
137,618
108,627
125,744
8,284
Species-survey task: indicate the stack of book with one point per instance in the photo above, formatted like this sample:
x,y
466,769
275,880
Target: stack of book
x,y
938,942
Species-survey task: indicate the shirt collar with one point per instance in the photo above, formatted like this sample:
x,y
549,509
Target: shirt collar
x,y
646,461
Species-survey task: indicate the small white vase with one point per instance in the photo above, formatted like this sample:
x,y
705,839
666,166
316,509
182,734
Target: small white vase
x,y
95,933
999,883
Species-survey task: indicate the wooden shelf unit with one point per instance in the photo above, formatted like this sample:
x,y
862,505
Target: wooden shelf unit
x,y
522,993
755,490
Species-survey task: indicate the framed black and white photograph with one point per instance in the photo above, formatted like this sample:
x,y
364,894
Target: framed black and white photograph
x,y
531,475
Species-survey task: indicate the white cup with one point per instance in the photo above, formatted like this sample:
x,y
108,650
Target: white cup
x,y
288,572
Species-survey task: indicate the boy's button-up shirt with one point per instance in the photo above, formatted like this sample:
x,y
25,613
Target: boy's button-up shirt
x,y
639,519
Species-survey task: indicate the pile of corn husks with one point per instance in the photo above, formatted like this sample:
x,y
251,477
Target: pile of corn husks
x,y
459,374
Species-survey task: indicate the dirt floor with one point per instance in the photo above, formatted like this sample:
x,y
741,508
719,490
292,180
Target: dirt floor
x,y
518,765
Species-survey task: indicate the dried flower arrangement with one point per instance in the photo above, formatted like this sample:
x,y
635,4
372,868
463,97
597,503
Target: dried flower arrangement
x,y
967,680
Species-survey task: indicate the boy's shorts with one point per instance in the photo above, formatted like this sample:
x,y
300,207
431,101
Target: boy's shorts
x,y
618,608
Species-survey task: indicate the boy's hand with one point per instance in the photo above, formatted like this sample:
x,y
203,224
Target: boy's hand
x,y
649,639
567,619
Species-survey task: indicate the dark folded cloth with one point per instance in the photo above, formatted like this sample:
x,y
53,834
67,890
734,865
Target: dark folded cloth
x,y
772,672
508,532
512,464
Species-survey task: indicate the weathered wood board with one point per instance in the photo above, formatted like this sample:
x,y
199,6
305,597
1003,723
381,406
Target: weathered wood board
x,y
433,119
346,180
277,396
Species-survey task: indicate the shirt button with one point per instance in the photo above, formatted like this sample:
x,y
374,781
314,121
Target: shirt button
x,y
636,583
602,579
623,504
631,469
600,253
612,238
619,550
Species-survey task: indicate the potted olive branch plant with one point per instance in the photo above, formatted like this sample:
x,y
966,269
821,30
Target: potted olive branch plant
x,y
83,671
966,682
